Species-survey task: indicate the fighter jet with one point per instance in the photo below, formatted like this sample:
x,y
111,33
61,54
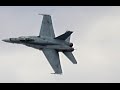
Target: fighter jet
x,y
49,44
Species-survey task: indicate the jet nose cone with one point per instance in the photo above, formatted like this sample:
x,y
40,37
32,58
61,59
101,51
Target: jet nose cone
x,y
6,40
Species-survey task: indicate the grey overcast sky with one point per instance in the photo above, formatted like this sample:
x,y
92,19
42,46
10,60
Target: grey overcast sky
x,y
96,39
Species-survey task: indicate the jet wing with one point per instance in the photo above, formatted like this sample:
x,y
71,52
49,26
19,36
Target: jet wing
x,y
47,27
53,58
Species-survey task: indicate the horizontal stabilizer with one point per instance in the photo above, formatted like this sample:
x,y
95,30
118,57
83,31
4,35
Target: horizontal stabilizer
x,y
64,36
71,57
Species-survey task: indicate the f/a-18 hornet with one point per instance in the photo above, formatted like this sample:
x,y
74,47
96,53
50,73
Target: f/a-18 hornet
x,y
49,44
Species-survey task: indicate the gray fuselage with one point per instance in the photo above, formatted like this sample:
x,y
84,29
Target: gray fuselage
x,y
38,42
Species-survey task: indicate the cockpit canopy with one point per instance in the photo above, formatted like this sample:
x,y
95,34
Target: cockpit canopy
x,y
25,38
